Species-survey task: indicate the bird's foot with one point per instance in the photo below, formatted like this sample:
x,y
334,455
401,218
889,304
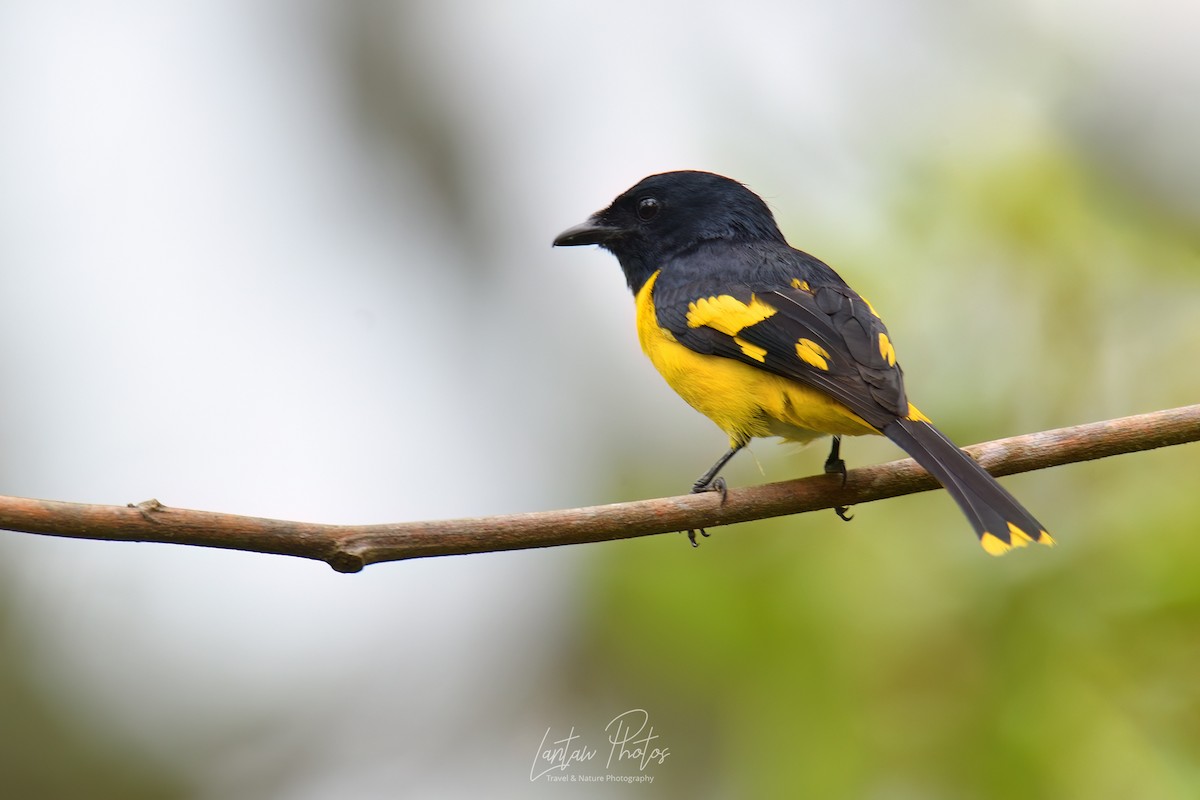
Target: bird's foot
x,y
712,485
707,485
835,465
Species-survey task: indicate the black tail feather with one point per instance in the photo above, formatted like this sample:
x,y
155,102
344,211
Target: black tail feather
x,y
1000,522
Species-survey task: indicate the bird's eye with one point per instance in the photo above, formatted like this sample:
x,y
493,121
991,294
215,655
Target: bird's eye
x,y
647,209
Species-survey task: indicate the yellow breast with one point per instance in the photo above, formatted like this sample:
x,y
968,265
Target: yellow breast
x,y
744,401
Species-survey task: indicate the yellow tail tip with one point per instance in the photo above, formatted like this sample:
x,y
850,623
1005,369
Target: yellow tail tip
x,y
996,546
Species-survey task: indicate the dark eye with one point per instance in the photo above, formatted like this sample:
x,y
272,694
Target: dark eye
x,y
647,209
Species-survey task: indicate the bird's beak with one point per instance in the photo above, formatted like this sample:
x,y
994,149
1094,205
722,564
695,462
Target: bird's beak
x,y
593,231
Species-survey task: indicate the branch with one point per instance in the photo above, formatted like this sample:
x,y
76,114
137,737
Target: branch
x,y
348,548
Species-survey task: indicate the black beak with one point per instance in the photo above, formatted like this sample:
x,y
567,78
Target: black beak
x,y
591,232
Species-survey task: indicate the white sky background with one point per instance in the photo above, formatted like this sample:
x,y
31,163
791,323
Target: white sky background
x,y
217,291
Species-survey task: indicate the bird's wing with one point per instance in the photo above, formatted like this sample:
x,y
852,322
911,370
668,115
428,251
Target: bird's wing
x,y
824,336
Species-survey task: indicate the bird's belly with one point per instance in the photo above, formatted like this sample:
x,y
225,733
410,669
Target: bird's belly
x,y
744,401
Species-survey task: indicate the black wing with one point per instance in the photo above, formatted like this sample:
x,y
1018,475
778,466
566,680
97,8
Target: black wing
x,y
824,336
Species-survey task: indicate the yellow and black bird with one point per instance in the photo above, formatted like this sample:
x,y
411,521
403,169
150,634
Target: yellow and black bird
x,y
766,340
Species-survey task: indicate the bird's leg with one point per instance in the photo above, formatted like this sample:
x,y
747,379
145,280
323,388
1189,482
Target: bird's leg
x,y
834,465
709,482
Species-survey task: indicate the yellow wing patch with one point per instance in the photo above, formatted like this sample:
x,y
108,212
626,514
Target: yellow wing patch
x,y
916,416
751,350
802,285
813,354
870,307
726,313
886,349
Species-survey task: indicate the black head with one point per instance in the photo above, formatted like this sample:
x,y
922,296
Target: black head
x,y
668,214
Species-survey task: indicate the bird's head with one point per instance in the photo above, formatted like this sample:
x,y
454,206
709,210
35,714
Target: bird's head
x,y
666,215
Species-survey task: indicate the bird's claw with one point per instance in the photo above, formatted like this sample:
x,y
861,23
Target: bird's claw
x,y
714,485
836,467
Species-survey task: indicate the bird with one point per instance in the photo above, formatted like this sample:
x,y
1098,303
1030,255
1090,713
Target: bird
x,y
768,341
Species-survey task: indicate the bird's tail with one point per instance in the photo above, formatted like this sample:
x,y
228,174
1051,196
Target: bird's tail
x,y
999,520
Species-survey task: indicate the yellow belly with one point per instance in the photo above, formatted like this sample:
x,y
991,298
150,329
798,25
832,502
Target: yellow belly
x,y
744,401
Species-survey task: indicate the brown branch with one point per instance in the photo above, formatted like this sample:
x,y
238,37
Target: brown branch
x,y
348,548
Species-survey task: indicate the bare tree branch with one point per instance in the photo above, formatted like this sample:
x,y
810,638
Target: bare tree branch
x,y
348,548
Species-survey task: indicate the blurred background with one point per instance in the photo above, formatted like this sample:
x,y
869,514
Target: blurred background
x,y
293,260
